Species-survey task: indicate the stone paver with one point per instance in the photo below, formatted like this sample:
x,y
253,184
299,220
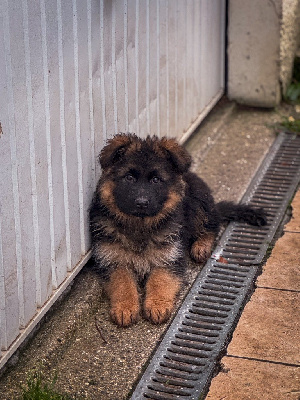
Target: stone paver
x,y
269,327
255,380
282,270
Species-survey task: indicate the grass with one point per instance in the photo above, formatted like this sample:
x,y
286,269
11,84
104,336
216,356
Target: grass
x,y
292,94
292,97
291,124
37,388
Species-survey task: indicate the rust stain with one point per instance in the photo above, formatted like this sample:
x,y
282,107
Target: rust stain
x,y
222,260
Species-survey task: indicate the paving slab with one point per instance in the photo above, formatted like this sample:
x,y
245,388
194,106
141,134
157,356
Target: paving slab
x,y
243,379
269,328
282,270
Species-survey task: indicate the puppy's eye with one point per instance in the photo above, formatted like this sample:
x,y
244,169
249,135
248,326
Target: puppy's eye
x,y
129,178
155,179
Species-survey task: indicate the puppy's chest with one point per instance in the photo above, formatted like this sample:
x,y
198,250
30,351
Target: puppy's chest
x,y
143,251
150,244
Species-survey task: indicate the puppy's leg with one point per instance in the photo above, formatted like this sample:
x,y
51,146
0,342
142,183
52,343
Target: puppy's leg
x,y
161,289
201,248
124,297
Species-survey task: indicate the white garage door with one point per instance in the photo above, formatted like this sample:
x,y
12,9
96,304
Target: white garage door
x,y
72,74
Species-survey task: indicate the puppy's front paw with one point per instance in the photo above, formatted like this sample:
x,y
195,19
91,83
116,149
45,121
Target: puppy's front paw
x,y
124,298
125,314
157,310
201,249
161,290
199,254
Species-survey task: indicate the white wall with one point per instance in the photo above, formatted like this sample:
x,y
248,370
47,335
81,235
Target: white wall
x,y
73,73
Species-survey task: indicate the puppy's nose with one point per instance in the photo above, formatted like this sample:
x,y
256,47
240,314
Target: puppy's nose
x,y
142,202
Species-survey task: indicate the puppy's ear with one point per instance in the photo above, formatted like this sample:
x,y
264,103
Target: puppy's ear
x,y
177,154
115,149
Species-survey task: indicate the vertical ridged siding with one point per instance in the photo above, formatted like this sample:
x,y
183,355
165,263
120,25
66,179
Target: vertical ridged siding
x,y
72,74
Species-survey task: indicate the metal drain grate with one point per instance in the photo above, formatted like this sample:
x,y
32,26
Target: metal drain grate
x,y
184,362
188,352
272,188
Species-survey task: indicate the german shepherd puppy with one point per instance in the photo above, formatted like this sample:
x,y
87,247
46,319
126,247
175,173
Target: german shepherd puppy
x,y
147,211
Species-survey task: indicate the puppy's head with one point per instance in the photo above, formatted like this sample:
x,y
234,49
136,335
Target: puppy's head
x,y
142,178
117,147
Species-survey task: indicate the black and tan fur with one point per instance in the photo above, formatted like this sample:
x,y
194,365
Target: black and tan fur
x,y
148,210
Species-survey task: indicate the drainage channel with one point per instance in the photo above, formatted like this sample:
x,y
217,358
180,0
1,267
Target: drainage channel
x,y
184,362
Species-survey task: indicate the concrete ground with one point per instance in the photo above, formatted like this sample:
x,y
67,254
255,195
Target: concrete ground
x,y
94,359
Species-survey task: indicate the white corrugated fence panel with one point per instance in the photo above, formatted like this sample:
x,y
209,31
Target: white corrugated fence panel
x,y
72,74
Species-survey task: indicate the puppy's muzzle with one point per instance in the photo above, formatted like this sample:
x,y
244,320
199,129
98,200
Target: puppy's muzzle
x,y
142,203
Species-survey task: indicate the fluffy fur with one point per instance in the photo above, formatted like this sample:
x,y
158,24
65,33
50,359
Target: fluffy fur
x,y
148,211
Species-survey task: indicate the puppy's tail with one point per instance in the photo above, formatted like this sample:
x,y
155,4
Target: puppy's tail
x,y
241,212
